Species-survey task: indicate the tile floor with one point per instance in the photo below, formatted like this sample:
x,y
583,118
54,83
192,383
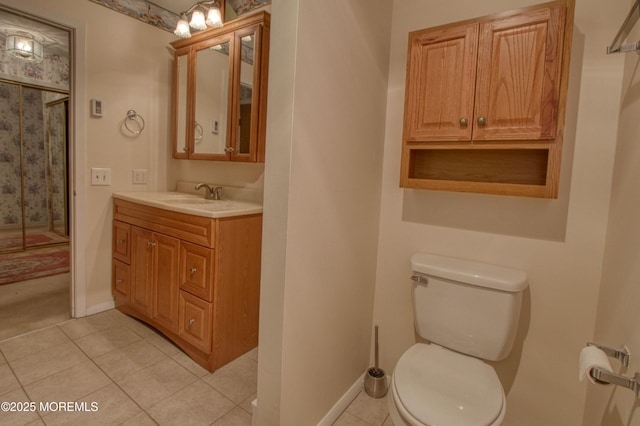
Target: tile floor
x,y
135,377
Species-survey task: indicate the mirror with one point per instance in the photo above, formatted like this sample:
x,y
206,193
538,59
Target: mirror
x,y
212,99
220,78
181,105
245,98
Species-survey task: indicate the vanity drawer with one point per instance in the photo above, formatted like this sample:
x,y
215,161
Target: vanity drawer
x,y
120,285
121,246
195,321
196,270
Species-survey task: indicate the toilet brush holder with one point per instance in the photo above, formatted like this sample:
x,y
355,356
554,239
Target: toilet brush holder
x,y
375,379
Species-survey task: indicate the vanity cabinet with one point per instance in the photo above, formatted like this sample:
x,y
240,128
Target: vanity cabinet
x,y
193,278
485,101
220,92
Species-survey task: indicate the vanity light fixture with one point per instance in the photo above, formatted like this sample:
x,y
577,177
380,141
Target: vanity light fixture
x,y
198,20
24,46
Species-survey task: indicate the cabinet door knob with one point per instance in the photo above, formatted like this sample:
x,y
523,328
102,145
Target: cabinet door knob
x,y
191,321
193,270
463,122
151,244
482,121
118,281
228,149
121,241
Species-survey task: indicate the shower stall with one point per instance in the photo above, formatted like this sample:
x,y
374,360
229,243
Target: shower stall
x,y
33,167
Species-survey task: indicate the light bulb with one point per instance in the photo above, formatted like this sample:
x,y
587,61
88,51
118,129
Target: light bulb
x,y
197,20
214,19
182,28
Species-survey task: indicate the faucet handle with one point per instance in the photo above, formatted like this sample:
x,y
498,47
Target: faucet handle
x,y
216,192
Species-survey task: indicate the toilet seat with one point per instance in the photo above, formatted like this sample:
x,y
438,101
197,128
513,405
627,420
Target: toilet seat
x,y
432,385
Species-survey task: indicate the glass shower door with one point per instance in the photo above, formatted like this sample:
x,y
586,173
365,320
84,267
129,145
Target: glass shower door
x,y
11,220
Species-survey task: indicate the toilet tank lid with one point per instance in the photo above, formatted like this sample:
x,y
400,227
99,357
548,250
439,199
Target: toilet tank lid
x,y
470,272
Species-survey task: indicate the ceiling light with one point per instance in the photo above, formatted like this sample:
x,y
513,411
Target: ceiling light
x,y
24,46
198,22
182,28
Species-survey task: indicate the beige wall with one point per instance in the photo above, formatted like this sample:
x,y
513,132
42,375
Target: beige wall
x,y
559,243
128,65
618,313
322,198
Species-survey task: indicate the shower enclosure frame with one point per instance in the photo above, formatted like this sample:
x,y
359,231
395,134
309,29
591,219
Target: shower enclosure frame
x,y
47,166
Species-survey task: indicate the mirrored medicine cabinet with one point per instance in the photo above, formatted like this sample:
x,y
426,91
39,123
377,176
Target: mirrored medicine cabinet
x,y
220,92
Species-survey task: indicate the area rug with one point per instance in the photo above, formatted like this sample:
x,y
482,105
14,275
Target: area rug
x,y
32,264
15,241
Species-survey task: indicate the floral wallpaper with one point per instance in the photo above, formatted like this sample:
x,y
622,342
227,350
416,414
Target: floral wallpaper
x,y
10,192
55,123
52,71
33,174
157,16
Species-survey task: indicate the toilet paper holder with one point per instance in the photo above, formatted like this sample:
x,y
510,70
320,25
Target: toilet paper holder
x,y
605,377
623,355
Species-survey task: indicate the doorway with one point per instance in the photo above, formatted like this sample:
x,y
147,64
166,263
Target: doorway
x,y
35,88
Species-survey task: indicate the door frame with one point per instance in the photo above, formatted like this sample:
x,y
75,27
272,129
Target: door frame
x,y
78,110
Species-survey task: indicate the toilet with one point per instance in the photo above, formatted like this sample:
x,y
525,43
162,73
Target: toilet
x,y
469,312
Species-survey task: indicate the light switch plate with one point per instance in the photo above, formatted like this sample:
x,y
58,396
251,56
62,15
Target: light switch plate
x,y
100,176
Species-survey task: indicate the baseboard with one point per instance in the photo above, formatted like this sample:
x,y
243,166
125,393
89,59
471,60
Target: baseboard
x,y
342,403
96,309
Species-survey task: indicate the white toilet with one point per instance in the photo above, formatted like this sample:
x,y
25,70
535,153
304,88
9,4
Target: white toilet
x,y
468,311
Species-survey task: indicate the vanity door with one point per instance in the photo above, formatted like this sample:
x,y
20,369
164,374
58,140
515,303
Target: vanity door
x,y
212,97
246,85
181,107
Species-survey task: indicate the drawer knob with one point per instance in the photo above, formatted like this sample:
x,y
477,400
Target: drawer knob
x,y
193,270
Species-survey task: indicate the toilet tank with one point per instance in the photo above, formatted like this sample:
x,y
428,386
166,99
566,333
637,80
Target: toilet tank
x,y
467,306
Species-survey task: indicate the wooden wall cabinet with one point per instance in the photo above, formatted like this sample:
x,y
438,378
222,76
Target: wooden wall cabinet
x,y
195,279
485,101
220,92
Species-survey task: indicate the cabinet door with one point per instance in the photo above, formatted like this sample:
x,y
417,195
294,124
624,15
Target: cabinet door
x,y
195,321
440,84
141,270
212,97
120,242
181,135
166,252
196,270
120,284
519,72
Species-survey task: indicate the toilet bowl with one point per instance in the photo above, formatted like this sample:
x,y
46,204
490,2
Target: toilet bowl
x,y
433,386
469,312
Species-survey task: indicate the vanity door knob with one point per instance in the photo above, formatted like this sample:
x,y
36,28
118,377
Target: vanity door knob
x,y
193,270
463,122
482,121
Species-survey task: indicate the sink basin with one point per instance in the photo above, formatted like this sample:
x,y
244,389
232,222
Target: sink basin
x,y
187,201
194,204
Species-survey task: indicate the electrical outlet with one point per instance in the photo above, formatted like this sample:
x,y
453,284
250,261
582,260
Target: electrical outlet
x,y
100,176
139,176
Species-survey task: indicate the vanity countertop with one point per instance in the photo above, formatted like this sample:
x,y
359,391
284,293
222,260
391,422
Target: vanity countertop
x,y
194,204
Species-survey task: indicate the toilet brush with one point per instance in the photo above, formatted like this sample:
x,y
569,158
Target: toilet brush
x,y
375,380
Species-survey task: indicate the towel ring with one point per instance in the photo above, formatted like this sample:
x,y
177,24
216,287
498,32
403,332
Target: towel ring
x,y
134,116
198,132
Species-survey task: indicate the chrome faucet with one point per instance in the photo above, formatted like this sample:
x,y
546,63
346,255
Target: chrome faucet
x,y
213,193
